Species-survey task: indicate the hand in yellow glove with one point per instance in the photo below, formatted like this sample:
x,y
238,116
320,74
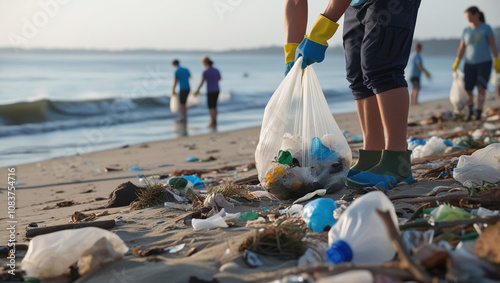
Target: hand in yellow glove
x,y
455,64
427,74
313,47
496,64
290,56
196,92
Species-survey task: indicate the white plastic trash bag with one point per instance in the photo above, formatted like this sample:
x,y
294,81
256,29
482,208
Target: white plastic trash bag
x,y
192,101
480,167
174,103
458,95
301,149
51,255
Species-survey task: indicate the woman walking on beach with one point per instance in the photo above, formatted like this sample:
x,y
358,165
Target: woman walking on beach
x,y
212,76
377,42
477,42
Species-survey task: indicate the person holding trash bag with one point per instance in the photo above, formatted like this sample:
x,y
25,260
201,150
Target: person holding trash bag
x,y
212,76
477,41
377,42
417,68
181,76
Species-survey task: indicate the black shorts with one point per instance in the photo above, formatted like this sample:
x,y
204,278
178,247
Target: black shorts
x,y
415,82
477,75
377,42
183,96
212,99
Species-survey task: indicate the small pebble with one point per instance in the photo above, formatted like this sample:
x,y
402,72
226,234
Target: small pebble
x,y
32,224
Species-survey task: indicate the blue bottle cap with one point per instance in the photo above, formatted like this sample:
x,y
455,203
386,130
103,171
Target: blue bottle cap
x,y
338,252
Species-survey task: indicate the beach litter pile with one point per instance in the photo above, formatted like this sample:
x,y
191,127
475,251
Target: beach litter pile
x,y
225,225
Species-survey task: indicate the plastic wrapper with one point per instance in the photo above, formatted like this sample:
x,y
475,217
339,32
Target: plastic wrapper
x,y
301,148
51,255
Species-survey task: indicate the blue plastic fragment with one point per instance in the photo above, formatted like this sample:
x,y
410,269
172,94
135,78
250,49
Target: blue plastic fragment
x,y
448,143
136,168
322,152
192,159
197,182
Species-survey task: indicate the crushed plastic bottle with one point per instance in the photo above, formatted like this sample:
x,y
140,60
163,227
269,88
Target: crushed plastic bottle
x,y
318,214
359,236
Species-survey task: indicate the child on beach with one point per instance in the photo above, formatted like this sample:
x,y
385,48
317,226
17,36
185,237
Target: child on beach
x,y
477,41
377,41
417,68
182,76
212,76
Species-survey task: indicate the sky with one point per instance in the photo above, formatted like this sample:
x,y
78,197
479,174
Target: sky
x,y
189,24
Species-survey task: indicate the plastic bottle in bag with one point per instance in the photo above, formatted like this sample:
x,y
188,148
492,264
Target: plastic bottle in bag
x,y
318,214
359,236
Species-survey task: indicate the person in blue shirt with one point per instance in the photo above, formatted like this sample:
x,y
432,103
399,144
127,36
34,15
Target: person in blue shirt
x,y
476,44
377,39
181,76
417,68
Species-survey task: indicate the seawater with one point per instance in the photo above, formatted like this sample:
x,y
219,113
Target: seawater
x,y
60,104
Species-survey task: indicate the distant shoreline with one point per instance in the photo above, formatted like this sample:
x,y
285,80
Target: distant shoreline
x,y
441,47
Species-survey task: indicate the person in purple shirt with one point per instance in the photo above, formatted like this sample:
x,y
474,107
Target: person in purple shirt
x,y
212,76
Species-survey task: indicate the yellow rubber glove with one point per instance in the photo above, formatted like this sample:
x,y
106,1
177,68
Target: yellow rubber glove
x,y
314,45
290,56
496,64
196,92
322,30
427,74
455,64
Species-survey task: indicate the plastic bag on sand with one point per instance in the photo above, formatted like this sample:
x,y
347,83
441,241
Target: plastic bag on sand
x,y
482,166
433,146
301,148
52,254
458,95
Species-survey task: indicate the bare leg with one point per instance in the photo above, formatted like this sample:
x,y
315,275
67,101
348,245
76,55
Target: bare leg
x,y
481,94
183,110
213,116
393,106
371,124
471,98
414,95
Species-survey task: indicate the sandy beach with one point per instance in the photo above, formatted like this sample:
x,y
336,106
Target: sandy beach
x,y
208,254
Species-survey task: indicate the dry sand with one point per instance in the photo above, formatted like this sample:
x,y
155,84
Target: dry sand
x,y
82,179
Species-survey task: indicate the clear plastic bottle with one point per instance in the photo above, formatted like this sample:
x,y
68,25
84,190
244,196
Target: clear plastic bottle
x,y
318,214
359,236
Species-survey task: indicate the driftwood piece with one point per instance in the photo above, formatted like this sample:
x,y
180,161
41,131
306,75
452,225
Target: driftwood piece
x,y
488,199
406,261
104,224
426,159
252,180
445,224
